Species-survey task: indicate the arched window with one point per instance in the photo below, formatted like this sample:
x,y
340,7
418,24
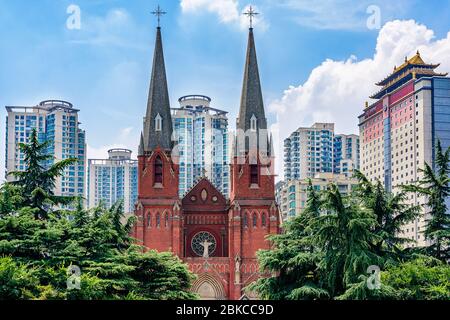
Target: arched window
x,y
253,123
158,170
158,220
263,220
158,123
255,219
245,222
254,174
149,220
166,220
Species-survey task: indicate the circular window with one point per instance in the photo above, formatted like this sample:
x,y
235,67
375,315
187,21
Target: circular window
x,y
214,199
202,239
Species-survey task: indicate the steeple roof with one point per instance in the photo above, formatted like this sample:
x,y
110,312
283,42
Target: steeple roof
x,y
252,104
158,105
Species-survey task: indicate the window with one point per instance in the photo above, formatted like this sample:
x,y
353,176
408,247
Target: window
x,y
254,174
245,222
167,220
253,123
263,220
158,170
158,220
158,123
149,220
254,220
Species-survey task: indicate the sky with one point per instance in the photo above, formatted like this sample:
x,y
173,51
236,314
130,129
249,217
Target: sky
x,y
318,60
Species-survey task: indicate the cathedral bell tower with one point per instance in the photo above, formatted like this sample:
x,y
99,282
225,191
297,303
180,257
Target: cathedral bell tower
x,y
158,205
253,214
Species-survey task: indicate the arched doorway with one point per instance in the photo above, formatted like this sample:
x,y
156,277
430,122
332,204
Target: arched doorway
x,y
208,287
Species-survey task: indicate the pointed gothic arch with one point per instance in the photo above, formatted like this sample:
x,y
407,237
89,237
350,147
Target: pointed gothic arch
x,y
158,170
208,287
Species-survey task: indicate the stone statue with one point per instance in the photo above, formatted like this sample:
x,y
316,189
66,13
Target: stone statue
x,y
206,244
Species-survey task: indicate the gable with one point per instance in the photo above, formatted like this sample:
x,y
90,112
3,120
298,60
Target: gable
x,y
204,195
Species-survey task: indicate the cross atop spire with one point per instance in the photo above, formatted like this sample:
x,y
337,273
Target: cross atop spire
x,y
251,13
158,13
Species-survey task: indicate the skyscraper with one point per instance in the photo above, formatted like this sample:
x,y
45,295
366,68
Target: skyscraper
x,y
113,179
400,130
308,151
201,133
56,122
346,154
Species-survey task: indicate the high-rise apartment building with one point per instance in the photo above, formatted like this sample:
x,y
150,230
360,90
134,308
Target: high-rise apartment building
x,y
113,179
308,151
400,130
293,195
346,154
56,122
201,133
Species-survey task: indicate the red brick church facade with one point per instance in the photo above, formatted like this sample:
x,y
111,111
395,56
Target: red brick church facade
x,y
217,237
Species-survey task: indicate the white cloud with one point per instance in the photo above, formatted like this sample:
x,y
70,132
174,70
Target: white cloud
x,y
227,11
336,90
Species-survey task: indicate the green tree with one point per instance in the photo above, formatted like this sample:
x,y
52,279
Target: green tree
x,y
294,260
344,234
391,212
435,187
40,242
37,181
423,278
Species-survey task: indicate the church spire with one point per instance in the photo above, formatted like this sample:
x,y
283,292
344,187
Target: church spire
x,y
158,120
252,105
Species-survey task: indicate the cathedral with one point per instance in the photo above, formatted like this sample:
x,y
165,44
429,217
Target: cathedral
x,y
215,235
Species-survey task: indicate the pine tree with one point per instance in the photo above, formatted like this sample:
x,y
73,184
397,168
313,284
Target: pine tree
x,y
38,181
294,259
344,234
435,187
391,213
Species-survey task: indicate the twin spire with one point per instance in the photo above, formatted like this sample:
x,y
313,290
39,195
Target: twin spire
x,y
158,121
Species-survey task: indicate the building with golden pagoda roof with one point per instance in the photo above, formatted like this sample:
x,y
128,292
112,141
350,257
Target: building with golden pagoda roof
x,y
399,131
414,68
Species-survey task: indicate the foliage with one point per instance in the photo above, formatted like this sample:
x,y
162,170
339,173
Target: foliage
x,y
435,187
424,278
40,240
326,252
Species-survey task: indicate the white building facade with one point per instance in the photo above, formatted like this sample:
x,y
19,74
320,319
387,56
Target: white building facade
x,y
201,135
113,179
57,122
293,195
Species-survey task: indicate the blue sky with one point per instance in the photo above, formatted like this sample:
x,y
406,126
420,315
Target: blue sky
x,y
104,67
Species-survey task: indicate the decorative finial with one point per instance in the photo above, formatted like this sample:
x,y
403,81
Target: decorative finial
x,y
251,13
159,13
406,59
418,53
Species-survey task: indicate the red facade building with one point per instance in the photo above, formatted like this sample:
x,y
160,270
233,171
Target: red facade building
x,y
218,237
